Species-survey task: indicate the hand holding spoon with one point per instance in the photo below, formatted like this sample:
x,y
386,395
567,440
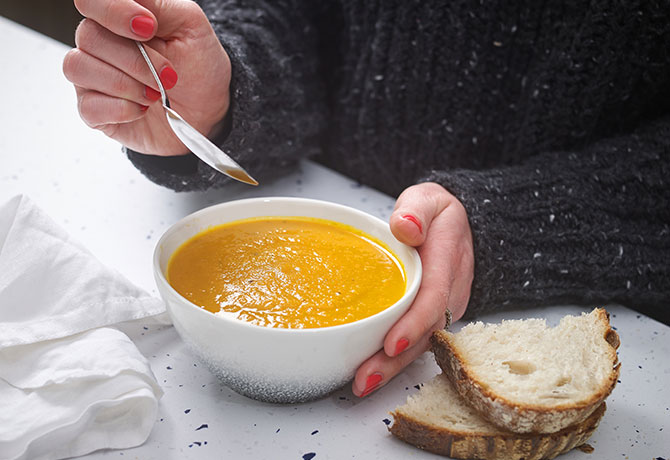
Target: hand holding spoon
x,y
202,147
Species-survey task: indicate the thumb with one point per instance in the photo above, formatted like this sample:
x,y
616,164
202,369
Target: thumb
x,y
415,209
125,18
175,17
141,20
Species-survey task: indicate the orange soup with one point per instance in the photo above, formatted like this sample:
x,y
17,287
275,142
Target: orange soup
x,y
287,272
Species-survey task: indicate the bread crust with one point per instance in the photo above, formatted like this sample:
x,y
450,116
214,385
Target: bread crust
x,y
499,446
511,416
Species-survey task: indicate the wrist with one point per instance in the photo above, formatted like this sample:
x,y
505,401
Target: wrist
x,y
220,131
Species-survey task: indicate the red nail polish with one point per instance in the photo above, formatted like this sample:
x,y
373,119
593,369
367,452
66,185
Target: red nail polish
x,y
168,77
151,93
411,218
400,346
142,26
144,108
368,391
372,383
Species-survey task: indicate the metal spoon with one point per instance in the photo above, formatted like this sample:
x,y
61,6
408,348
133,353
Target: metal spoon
x,y
202,147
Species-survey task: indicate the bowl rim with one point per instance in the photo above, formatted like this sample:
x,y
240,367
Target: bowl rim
x,y
410,291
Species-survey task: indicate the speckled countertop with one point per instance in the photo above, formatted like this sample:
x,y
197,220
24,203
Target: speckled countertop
x,y
83,180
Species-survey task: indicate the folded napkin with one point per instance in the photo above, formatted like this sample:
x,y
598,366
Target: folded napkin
x,y
70,383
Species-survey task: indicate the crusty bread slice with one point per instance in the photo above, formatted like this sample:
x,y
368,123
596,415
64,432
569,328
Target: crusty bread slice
x,y
526,377
438,420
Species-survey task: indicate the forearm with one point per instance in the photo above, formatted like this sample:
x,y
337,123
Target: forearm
x,y
585,227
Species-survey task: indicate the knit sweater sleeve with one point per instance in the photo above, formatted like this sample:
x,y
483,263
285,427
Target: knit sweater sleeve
x,y
573,227
276,99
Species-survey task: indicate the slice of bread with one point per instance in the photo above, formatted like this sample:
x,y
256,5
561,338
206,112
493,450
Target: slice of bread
x,y
437,419
526,377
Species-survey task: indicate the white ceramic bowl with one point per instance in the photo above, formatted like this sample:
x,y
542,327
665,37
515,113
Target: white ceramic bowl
x,y
272,364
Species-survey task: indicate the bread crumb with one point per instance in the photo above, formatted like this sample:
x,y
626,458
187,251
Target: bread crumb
x,y
586,448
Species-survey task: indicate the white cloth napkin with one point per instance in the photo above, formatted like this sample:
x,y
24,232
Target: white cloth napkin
x,y
69,383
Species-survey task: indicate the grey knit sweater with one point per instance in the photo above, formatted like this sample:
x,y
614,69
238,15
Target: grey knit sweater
x,y
549,120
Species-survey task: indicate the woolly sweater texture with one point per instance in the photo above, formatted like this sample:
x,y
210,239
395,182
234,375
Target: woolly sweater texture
x,y
549,121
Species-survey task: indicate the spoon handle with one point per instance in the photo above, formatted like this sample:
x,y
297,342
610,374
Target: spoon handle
x,y
164,97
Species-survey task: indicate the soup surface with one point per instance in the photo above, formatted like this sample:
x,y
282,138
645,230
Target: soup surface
x,y
287,272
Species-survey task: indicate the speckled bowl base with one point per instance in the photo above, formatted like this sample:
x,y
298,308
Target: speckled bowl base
x,y
261,388
269,392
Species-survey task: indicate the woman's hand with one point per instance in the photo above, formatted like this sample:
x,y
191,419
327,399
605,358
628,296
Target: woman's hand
x,y
115,89
429,218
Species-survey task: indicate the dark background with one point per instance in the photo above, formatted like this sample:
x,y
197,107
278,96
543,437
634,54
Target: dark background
x,y
56,18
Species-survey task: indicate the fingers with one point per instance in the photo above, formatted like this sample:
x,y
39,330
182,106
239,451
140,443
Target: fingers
x,y
94,69
414,211
126,18
380,368
123,54
100,110
88,72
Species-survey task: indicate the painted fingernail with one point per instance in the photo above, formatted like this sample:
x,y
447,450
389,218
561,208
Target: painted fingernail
x,y
400,346
372,383
411,218
144,108
142,26
151,93
168,77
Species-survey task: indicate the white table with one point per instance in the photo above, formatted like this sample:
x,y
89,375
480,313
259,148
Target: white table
x,y
83,180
